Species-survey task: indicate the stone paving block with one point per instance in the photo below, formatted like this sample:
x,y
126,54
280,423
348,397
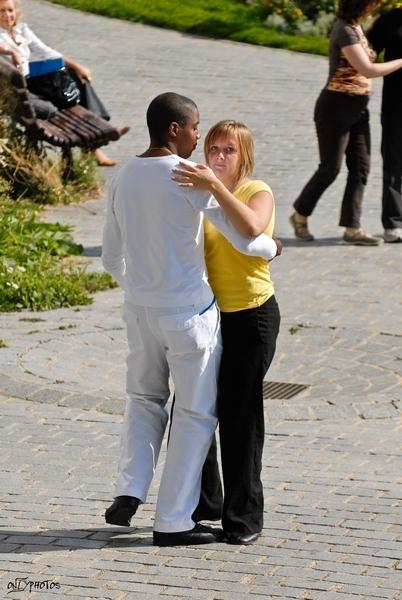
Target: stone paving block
x,y
29,539
4,548
362,580
82,401
367,592
314,595
20,389
223,576
282,591
157,589
71,595
340,567
392,582
219,595
94,593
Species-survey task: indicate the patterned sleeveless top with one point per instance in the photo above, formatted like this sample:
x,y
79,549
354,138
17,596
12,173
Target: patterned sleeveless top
x,y
342,76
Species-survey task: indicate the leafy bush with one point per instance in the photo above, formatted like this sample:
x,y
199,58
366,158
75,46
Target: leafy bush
x,y
388,4
239,20
34,272
306,17
303,26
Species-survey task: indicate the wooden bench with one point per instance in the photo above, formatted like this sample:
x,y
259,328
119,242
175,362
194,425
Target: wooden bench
x,y
71,127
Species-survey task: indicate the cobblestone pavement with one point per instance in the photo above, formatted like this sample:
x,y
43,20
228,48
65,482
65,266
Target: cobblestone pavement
x,y
332,460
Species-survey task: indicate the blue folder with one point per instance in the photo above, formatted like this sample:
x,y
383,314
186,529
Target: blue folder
x,y
41,67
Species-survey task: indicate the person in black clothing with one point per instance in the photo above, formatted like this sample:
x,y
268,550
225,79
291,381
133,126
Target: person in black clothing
x,y
386,34
19,45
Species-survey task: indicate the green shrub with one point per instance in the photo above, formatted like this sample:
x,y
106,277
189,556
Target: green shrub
x,y
311,17
305,17
35,269
238,20
301,25
389,4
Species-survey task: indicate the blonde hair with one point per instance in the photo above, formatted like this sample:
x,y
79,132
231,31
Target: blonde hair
x,y
244,139
18,12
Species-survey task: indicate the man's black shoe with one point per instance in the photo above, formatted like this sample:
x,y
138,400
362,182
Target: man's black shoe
x,y
238,538
199,535
121,511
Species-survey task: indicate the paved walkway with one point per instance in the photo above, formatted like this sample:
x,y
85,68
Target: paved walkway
x,y
332,459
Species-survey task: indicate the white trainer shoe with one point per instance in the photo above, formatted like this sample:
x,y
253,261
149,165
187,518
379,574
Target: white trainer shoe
x,y
393,236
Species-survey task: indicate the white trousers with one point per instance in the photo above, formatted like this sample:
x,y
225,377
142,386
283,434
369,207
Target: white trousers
x,y
184,343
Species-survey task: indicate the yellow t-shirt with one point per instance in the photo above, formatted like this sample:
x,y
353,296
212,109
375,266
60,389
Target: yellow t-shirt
x,y
238,281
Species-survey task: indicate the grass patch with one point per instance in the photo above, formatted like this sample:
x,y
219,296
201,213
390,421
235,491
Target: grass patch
x,y
33,273
37,174
229,19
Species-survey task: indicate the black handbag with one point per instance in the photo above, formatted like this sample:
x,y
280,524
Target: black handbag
x,y
58,87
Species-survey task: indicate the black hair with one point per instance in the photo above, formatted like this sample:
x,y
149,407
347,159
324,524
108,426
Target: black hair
x,y
351,10
166,109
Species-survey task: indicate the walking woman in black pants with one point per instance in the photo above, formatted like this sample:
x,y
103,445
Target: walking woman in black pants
x,y
249,324
342,122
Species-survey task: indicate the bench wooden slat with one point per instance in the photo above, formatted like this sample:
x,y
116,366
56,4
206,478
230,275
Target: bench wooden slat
x,y
79,126
101,128
62,123
49,132
74,126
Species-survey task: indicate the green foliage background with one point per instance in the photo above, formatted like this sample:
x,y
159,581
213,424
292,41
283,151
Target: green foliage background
x,y
230,19
32,272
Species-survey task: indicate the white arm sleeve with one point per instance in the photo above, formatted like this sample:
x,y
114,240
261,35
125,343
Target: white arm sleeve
x,y
112,244
39,49
262,245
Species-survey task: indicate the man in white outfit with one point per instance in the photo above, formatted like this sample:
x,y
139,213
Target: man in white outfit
x,y
153,246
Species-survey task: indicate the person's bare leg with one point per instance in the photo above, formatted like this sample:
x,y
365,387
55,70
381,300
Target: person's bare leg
x,y
103,159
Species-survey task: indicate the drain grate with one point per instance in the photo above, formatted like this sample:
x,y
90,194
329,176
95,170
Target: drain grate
x,y
275,390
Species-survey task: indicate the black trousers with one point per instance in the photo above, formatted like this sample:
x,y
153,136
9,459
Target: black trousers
x,y
45,109
391,150
342,124
249,341
89,97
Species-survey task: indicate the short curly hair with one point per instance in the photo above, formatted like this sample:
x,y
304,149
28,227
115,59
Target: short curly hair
x,y
351,10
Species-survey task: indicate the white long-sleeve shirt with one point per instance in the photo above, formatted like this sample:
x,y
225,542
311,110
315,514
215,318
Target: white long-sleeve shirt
x,y
27,45
153,242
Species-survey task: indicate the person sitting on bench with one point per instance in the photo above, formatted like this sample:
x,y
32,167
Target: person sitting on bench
x,y
20,45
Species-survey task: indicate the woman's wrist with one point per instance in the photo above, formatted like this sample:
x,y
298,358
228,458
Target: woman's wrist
x,y
215,185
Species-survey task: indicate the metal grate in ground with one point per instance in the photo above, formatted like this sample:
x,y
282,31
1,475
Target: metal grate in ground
x,y
275,390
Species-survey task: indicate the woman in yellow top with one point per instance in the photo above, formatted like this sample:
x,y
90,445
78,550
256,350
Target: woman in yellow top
x,y
250,325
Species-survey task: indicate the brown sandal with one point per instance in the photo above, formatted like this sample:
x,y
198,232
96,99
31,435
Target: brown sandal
x,y
300,229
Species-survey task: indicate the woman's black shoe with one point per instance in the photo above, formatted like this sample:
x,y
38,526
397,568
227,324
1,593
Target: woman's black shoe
x,y
121,511
206,516
245,539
